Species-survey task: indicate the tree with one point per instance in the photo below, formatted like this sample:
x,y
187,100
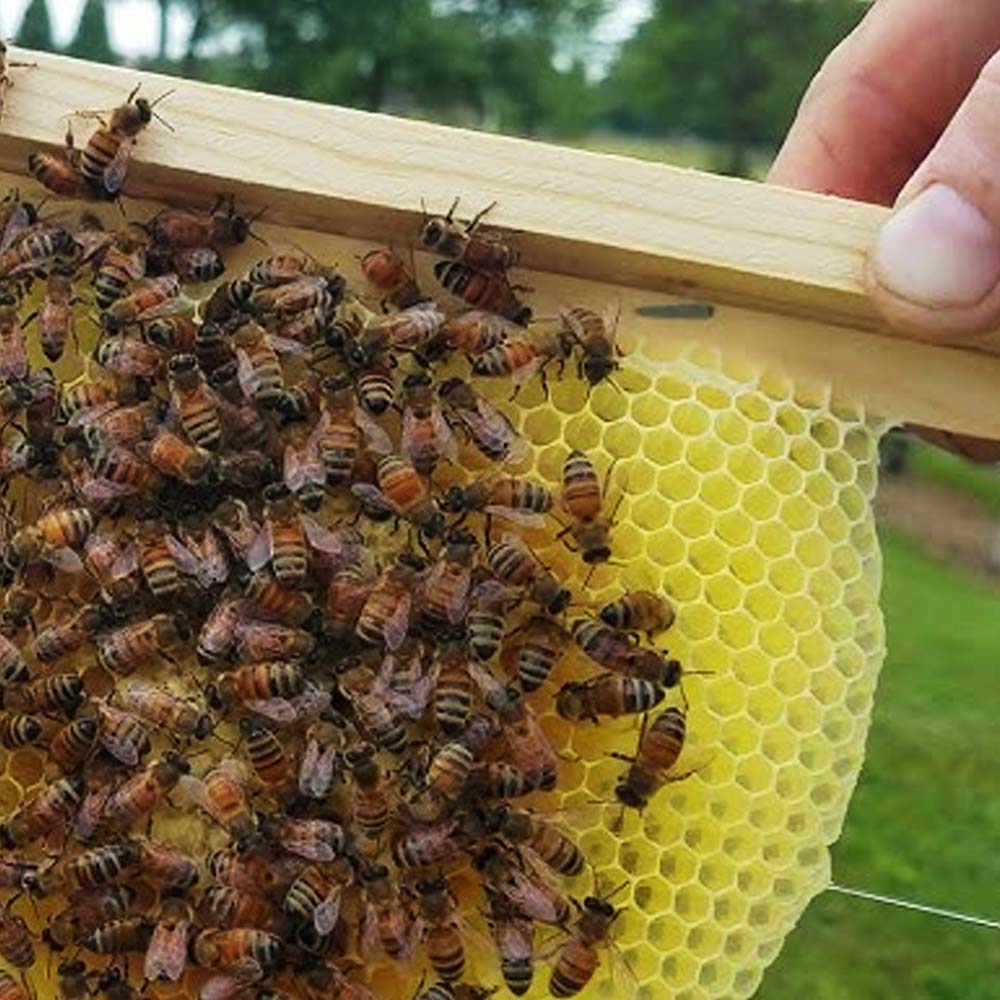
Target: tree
x,y
35,31
91,40
726,71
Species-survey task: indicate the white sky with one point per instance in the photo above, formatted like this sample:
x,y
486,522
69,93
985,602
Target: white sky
x,y
134,24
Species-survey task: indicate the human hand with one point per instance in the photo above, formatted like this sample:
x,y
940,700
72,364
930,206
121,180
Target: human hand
x,y
906,111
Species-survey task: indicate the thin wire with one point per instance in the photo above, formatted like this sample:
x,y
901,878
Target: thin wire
x,y
906,904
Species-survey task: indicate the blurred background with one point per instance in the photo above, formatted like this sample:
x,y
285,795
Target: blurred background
x,y
712,84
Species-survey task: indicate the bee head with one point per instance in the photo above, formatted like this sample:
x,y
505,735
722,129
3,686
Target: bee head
x,y
433,232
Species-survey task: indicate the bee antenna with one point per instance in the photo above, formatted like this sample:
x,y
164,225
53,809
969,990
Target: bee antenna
x,y
166,93
451,211
163,121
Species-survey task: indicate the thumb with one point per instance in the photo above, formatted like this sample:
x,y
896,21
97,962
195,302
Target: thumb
x,y
934,271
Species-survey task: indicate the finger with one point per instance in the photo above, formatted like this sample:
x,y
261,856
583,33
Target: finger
x,y
883,97
935,269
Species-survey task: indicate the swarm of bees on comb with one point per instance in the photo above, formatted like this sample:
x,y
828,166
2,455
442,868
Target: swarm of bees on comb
x,y
270,575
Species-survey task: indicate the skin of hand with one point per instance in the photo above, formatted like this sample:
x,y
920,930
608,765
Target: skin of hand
x,y
906,112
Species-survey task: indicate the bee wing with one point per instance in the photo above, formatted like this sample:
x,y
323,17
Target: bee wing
x,y
278,710
126,563
196,790
227,984
64,559
376,439
166,956
374,497
260,549
326,915
368,937
398,623
285,346
445,438
92,414
526,371
311,703
114,173
168,307
526,518
409,431
121,750
182,555
301,466
316,770
484,679
245,373
322,539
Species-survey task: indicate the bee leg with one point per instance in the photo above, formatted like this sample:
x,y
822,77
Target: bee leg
x,y
622,756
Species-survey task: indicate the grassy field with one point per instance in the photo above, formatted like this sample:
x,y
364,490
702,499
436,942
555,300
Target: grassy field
x,y
923,823
946,469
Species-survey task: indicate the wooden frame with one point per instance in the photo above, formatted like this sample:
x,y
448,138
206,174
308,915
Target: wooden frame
x,y
786,265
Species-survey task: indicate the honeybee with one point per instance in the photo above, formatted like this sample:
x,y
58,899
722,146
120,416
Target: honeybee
x,y
254,871
376,388
530,895
610,695
270,689
320,840
595,336
13,870
118,937
519,500
488,429
426,436
385,615
314,897
446,778
446,589
532,834
196,265
266,754
283,540
614,651
318,765
55,316
513,564
150,298
582,500
340,430
326,982
324,291
454,687
104,159
473,333
482,290
660,745
376,708
218,633
13,668
346,594
222,793
577,959
260,641
16,942
174,457
130,646
410,329
167,866
302,469
540,644
71,745
160,706
402,491
232,518
638,611
122,734
193,402
371,800
238,949
54,694
166,955
172,334
439,928
47,811
387,272
485,621
227,304
515,940
113,985
528,746
387,920
13,347
18,611
87,911
199,553
142,793
65,637
37,249
187,228
442,235
428,846
128,357
223,906
525,356
14,459
123,262
268,599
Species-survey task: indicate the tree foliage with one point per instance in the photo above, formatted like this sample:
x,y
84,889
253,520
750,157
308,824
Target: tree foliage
x,y
35,31
723,70
92,40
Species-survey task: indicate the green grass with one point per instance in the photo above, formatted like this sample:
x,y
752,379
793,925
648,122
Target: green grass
x,y
956,473
924,821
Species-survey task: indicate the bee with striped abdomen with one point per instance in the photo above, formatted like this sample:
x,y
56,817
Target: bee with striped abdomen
x,y
516,566
540,643
484,290
441,234
595,336
143,792
446,589
582,499
388,272
384,618
660,746
438,927
426,437
403,492
193,402
47,811
607,695
514,936
166,954
123,262
638,611
266,754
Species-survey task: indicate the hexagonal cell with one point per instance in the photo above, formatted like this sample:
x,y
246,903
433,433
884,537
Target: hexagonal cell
x,y
690,419
734,528
692,903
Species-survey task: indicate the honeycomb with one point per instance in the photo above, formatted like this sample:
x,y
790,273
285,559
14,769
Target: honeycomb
x,y
747,500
